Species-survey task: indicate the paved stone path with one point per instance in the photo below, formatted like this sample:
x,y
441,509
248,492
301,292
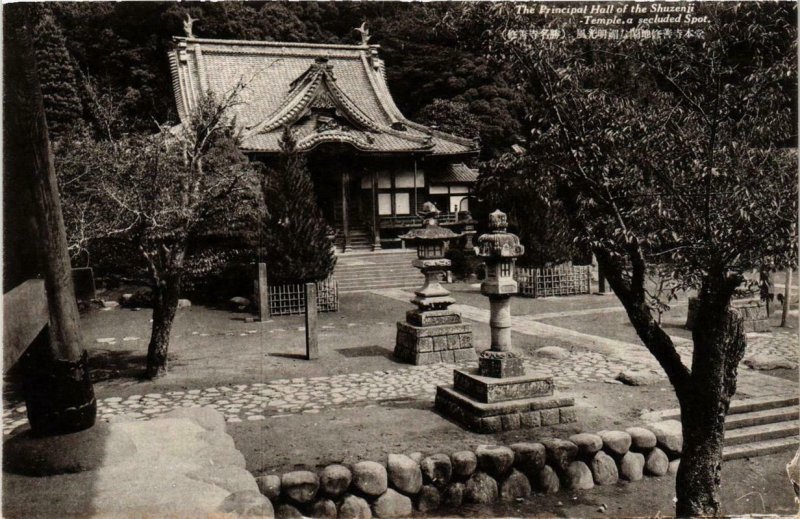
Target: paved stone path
x,y
599,360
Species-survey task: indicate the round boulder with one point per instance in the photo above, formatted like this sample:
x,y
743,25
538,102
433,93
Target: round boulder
x,y
269,485
334,480
631,467
392,504
354,507
669,437
615,443
528,457
323,509
480,488
370,478
604,469
495,460
641,439
515,486
429,499
552,352
673,466
300,486
453,495
437,469
578,476
638,377
247,503
656,463
559,453
587,443
416,456
404,473
464,464
286,511
546,480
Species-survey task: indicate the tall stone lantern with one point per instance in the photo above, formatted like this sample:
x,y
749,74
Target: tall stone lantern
x,y
432,333
499,395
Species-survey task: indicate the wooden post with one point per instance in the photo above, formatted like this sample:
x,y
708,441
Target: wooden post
x,y
787,297
345,211
59,393
376,231
263,292
312,335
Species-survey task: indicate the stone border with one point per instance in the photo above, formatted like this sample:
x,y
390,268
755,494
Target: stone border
x,y
490,473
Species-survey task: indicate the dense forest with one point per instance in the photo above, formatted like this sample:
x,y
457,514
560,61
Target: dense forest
x,y
103,63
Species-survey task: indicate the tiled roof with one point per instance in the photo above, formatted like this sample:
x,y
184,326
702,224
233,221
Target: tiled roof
x,y
327,93
456,173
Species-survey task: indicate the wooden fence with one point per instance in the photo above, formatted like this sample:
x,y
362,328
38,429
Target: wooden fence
x,y
291,299
563,280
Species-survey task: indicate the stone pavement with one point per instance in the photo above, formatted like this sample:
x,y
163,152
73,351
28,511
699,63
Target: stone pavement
x,y
595,359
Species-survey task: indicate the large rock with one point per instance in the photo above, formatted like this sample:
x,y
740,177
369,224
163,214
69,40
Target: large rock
x,y
546,480
669,436
392,504
323,509
632,466
404,473
578,476
231,478
184,303
638,377
559,453
416,456
673,466
354,507
287,511
587,443
528,457
370,478
247,503
765,362
334,479
656,463
300,486
206,417
269,485
515,486
437,469
480,488
552,352
453,495
641,439
464,464
604,469
429,499
495,460
615,443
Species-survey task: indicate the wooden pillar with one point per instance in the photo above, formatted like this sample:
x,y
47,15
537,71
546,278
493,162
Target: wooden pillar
x,y
312,335
787,296
414,211
58,385
263,292
376,226
345,216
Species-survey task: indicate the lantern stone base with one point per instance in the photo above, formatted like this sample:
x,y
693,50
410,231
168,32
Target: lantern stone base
x,y
490,390
500,364
433,343
509,415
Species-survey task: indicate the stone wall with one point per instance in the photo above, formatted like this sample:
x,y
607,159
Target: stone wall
x,y
408,482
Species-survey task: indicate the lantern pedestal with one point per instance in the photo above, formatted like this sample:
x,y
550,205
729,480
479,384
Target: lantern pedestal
x,y
434,343
499,395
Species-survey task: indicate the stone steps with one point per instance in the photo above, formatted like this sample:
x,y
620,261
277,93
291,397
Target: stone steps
x,y
769,416
762,448
359,272
756,433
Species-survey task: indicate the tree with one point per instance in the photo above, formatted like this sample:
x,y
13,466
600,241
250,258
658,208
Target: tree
x,y
667,152
161,193
450,117
295,239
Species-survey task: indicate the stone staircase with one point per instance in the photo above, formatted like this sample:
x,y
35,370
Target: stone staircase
x,y
756,426
371,270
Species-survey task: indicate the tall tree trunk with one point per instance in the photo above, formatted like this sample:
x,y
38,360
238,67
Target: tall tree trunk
x,y
719,345
165,305
787,297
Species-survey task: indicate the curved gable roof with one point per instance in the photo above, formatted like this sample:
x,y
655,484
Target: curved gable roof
x,y
288,83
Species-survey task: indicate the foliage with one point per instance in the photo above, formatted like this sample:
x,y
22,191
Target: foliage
x,y
295,239
451,117
513,184
56,76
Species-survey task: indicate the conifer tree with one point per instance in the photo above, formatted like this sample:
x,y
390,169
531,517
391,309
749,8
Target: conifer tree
x,y
295,238
54,64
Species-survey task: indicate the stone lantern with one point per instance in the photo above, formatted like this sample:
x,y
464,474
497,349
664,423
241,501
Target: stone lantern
x,y
432,332
499,395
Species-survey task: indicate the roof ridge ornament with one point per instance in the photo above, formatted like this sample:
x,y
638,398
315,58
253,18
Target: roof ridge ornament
x,y
364,32
187,25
